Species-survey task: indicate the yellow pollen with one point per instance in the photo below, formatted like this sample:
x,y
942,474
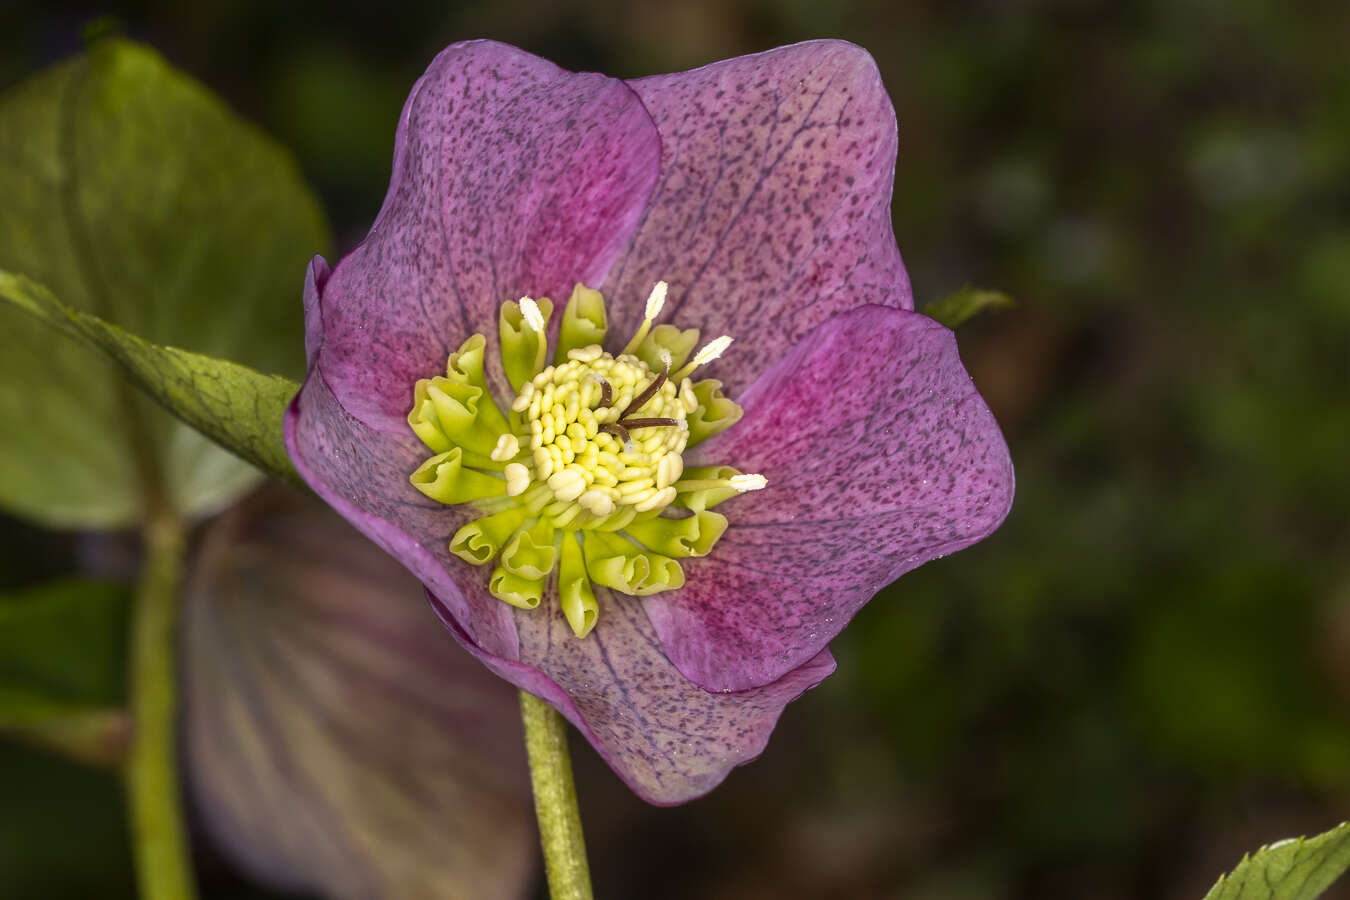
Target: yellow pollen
x,y
588,456
580,451
508,445
517,479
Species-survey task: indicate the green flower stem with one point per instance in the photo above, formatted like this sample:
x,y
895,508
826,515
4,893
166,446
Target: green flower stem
x,y
555,800
163,864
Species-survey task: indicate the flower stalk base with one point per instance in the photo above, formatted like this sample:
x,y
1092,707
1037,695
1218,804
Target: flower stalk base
x,y
555,800
163,862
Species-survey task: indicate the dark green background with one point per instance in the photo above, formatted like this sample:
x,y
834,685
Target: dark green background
x,y
1146,672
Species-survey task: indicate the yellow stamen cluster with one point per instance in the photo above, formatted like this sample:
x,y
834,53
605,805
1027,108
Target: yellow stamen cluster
x,y
573,481
585,467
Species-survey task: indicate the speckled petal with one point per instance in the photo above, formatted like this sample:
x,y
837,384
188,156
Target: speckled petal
x,y
363,474
880,456
316,276
511,177
774,207
338,742
669,740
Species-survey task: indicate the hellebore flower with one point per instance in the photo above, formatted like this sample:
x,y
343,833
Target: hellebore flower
x,y
559,510
335,746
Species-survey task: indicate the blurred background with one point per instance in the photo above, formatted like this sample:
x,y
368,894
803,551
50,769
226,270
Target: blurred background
x,y
1146,671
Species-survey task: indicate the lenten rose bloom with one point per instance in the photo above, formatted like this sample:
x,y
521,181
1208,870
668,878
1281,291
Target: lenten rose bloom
x,y
553,489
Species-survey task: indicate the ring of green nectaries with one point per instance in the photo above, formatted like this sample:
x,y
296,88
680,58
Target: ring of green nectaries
x,y
584,472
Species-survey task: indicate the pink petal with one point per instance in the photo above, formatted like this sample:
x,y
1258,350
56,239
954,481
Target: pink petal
x,y
363,474
880,456
511,177
774,207
667,738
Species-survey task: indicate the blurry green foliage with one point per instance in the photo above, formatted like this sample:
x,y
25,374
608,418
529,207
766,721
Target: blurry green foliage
x,y
65,640
960,307
62,832
1295,869
62,657
133,194
235,406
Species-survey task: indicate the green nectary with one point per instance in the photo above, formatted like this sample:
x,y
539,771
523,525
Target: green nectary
x,y
584,472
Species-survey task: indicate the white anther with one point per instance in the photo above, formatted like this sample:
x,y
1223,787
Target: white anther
x,y
589,353
567,484
745,483
530,312
711,350
508,445
656,300
597,502
517,479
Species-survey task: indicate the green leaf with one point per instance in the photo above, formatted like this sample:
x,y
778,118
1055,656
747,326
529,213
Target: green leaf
x,y
962,306
233,405
62,659
1294,869
134,195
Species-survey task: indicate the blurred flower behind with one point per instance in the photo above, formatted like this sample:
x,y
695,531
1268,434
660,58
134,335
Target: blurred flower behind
x,y
337,742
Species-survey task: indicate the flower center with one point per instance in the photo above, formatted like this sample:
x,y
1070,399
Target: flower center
x,y
584,474
605,435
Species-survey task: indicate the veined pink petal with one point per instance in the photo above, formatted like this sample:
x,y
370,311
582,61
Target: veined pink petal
x,y
880,456
667,738
363,473
511,177
316,276
773,211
